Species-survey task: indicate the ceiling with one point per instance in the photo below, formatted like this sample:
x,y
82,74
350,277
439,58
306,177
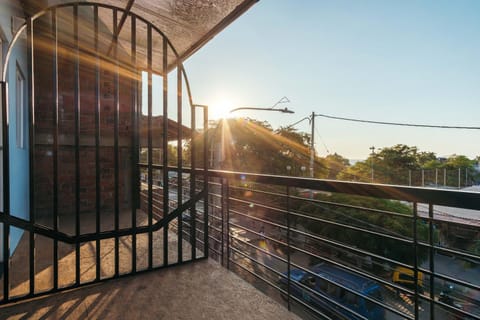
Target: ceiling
x,y
188,24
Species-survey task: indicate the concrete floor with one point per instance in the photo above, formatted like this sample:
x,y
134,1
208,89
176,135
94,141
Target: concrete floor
x,y
200,290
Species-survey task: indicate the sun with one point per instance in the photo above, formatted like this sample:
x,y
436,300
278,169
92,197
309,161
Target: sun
x,y
220,109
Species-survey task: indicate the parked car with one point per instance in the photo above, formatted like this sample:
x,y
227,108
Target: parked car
x,y
406,277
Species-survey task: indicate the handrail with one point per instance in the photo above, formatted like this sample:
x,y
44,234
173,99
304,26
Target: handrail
x,y
452,198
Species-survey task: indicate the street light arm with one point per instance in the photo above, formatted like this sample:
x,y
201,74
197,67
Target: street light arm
x,y
285,110
294,124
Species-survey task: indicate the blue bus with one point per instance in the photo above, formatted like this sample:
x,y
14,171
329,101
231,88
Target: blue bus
x,y
317,281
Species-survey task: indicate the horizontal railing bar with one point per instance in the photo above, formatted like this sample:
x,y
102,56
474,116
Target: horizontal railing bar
x,y
258,204
258,219
258,234
453,198
346,226
342,205
257,248
278,273
350,248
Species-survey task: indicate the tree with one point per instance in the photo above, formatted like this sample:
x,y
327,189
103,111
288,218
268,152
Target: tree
x,y
391,165
459,161
252,146
291,134
335,164
342,209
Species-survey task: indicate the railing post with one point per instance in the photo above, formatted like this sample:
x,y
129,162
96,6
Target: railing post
x,y
288,247
222,201
205,181
415,257
227,206
432,261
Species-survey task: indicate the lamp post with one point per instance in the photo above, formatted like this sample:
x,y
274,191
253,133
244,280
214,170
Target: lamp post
x,y
222,142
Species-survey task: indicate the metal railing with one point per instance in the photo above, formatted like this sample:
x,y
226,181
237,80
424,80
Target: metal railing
x,y
334,249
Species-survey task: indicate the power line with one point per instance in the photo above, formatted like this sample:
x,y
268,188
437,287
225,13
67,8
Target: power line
x,y
323,141
396,123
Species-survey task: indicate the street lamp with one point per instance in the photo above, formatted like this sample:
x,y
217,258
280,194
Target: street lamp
x,y
272,108
222,142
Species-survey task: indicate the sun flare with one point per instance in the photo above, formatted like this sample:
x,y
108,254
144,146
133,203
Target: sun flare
x,y
220,109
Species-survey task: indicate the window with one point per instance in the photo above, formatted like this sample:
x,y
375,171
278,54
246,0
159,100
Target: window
x,y
20,108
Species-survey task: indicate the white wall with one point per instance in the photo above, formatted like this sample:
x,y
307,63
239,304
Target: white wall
x,y
9,9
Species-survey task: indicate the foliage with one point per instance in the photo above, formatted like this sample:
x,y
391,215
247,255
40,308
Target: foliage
x,y
395,165
335,164
252,146
359,217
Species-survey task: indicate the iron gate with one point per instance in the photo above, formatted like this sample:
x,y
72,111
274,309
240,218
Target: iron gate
x,y
112,177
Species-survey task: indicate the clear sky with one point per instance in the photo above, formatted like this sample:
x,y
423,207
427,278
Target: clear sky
x,y
398,61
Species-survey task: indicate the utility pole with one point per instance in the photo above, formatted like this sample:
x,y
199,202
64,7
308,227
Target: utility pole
x,y
312,146
373,154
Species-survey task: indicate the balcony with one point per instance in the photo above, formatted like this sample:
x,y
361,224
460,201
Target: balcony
x,y
402,257
332,249
90,200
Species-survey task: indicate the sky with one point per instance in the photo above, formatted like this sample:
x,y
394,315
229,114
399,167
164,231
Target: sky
x,y
396,61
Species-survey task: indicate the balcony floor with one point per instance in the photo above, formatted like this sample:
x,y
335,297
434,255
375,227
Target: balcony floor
x,y
200,290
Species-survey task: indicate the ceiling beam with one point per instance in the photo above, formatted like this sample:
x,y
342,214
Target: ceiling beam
x,y
128,8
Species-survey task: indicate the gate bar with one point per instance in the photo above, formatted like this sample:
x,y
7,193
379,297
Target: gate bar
x,y
31,136
165,150
135,146
55,146
193,209
179,160
150,156
116,102
77,143
98,201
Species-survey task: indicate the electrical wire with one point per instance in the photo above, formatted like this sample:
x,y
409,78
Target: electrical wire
x,y
396,123
323,141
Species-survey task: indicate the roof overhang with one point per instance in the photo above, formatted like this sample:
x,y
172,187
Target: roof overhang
x,y
188,24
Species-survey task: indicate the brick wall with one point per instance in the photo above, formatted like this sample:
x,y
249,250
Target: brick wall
x,y
44,133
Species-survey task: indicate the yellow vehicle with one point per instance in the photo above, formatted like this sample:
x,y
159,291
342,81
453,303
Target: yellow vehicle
x,y
406,277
